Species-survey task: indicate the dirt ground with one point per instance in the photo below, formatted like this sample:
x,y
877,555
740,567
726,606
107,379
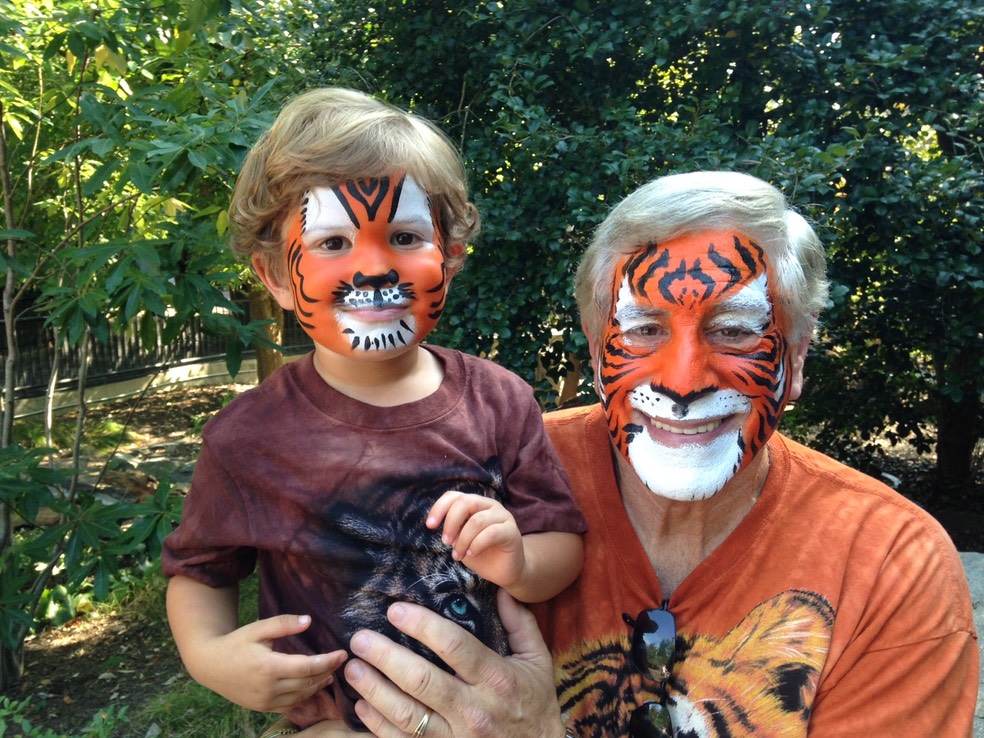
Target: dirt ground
x,y
125,658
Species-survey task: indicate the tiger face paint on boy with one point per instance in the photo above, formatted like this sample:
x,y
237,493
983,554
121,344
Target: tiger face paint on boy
x,y
694,366
366,266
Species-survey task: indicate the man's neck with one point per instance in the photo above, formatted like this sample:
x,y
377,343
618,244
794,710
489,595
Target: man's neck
x,y
678,536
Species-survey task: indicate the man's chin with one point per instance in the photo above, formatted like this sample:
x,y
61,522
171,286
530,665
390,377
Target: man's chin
x,y
688,472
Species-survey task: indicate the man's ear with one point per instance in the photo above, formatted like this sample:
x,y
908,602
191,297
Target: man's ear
x,y
796,362
594,349
277,284
592,340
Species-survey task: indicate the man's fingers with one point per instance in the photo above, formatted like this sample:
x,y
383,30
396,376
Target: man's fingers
x,y
458,648
386,710
525,639
412,673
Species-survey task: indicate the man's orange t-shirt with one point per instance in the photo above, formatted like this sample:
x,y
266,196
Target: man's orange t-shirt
x,y
836,608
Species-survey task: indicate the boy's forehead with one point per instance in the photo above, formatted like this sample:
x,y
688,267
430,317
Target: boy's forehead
x,y
353,202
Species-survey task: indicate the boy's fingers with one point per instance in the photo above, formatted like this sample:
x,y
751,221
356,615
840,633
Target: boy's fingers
x,y
278,626
440,508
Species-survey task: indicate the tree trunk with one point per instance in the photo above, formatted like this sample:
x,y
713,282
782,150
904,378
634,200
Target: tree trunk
x,y
958,426
262,306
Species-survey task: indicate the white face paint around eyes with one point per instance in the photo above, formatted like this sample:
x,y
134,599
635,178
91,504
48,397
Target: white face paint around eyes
x,y
414,211
326,214
752,301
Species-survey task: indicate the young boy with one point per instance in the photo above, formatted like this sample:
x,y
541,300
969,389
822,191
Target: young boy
x,y
335,474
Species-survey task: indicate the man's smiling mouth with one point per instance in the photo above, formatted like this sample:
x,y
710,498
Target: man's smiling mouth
x,y
686,431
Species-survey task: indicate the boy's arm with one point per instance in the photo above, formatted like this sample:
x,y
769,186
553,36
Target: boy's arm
x,y
239,663
553,561
483,535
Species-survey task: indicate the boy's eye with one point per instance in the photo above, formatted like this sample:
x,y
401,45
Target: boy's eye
x,y
405,238
335,243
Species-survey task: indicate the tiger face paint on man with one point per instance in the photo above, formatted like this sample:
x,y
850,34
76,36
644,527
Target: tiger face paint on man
x,y
366,266
694,368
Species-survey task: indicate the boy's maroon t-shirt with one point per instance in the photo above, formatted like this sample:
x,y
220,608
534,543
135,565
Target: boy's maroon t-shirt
x,y
328,496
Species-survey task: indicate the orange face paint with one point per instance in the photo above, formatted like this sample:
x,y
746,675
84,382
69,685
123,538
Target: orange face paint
x,y
694,367
366,266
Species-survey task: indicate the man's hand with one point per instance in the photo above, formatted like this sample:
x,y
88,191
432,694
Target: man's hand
x,y
488,695
483,535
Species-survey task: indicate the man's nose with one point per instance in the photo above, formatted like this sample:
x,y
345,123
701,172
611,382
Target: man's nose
x,y
686,365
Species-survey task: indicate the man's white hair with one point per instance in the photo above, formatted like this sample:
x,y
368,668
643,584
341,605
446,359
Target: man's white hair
x,y
678,204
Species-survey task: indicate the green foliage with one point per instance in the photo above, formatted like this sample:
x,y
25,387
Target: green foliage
x,y
122,129
47,571
13,713
124,125
868,116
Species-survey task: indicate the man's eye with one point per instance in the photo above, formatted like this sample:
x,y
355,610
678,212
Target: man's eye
x,y
644,337
645,331
735,338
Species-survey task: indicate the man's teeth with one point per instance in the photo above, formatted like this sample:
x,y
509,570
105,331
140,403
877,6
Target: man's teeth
x,y
707,427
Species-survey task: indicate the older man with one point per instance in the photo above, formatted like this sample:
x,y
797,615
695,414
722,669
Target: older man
x,y
736,582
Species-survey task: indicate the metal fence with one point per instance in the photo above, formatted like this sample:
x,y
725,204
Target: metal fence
x,y
122,357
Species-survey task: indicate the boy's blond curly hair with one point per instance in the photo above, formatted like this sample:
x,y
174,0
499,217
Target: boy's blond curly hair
x,y
327,136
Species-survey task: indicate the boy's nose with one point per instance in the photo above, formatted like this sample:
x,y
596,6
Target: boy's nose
x,y
375,281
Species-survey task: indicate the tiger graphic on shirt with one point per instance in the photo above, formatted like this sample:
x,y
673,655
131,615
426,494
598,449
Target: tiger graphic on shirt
x,y
392,556
760,679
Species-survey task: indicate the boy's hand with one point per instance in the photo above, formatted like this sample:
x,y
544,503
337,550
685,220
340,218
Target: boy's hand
x,y
243,667
483,535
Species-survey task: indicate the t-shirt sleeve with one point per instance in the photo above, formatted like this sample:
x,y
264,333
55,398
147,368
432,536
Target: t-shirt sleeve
x,y
538,489
911,664
211,544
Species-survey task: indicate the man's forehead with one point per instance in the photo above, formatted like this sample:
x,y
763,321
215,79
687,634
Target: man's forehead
x,y
630,303
731,242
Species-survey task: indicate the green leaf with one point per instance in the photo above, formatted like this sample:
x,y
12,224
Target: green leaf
x,y
234,358
17,234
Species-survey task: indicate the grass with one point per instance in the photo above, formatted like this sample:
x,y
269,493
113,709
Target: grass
x,y
187,709
182,708
100,437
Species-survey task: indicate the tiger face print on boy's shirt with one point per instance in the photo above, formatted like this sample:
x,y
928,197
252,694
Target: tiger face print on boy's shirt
x,y
694,369
366,265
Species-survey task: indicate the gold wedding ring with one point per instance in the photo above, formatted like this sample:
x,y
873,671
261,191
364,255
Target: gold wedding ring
x,y
421,728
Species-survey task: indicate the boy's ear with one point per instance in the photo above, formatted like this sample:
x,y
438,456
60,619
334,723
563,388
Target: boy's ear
x,y
453,251
277,285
